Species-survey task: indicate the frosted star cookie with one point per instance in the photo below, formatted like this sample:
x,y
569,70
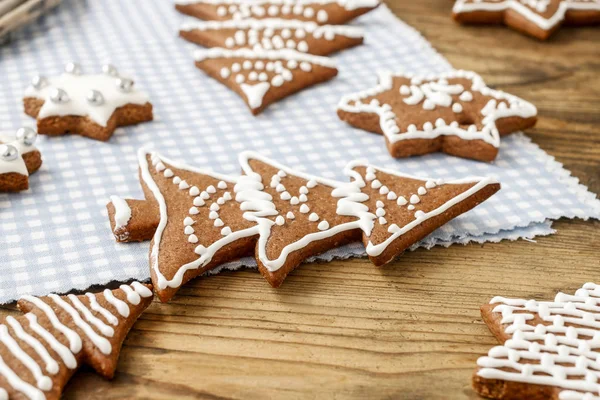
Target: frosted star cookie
x,y
537,18
549,349
272,34
405,208
453,112
87,105
19,158
42,350
333,12
262,77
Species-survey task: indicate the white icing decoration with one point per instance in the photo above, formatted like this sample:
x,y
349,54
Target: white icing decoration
x,y
121,307
77,88
122,212
18,164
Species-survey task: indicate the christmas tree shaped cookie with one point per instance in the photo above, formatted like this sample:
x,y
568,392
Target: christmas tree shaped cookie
x,y
549,350
199,223
537,18
272,34
400,210
18,159
40,351
87,105
262,77
296,214
332,12
454,112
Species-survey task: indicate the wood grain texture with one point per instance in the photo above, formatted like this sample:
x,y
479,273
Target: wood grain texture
x,y
410,330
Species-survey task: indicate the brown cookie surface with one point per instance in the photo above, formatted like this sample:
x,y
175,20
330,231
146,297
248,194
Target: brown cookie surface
x,y
90,105
548,348
305,37
539,18
40,351
332,12
453,112
262,77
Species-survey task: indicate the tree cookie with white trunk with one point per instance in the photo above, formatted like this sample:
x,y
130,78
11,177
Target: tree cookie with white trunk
x,y
88,105
19,158
272,34
42,350
549,349
453,112
262,77
537,18
332,12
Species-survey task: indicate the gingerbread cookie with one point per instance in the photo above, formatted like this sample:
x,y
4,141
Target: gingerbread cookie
x,y
333,12
453,112
269,34
296,214
18,159
199,219
549,350
404,209
87,105
262,77
40,351
537,18
192,216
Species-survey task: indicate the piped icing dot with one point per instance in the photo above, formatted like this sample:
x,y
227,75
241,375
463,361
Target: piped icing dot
x,y
304,209
193,239
421,191
313,217
414,199
323,225
280,220
401,201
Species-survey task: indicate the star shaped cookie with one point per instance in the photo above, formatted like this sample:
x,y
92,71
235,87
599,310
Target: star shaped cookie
x,y
537,18
453,112
87,105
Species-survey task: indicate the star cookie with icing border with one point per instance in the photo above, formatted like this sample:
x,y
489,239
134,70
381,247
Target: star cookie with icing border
x,y
19,158
537,18
262,77
192,217
548,350
296,214
272,34
42,350
88,105
400,210
453,112
334,12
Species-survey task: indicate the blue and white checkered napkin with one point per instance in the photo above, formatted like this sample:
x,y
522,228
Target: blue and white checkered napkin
x,y
56,237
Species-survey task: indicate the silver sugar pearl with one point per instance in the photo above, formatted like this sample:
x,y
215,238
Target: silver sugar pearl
x,y
26,135
124,84
8,152
38,82
95,98
73,68
109,69
59,96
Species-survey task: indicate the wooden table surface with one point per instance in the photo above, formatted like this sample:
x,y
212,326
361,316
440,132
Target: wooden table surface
x,y
409,330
